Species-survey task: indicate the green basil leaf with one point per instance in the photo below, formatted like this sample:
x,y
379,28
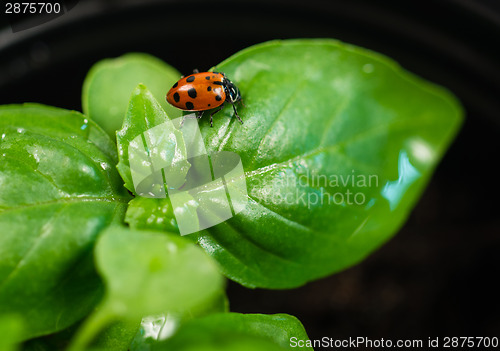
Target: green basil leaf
x,y
107,87
148,273
201,340
167,272
337,145
59,189
144,113
117,337
10,330
56,341
153,214
161,327
212,330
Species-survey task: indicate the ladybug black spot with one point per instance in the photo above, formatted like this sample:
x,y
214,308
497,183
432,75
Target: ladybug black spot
x,y
192,93
218,98
218,83
209,88
189,105
207,77
190,79
176,97
175,85
208,105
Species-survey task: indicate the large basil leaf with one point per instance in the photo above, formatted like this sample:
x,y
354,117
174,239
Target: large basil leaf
x,y
107,87
209,331
337,144
58,189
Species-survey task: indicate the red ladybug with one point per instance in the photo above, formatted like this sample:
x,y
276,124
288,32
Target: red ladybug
x,y
204,91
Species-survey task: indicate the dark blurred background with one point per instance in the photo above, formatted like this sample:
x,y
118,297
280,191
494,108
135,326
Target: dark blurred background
x,y
439,275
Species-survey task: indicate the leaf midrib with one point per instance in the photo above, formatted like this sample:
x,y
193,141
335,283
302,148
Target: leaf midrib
x,y
41,236
68,200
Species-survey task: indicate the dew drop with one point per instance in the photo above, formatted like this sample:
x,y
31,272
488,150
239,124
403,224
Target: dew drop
x,y
85,124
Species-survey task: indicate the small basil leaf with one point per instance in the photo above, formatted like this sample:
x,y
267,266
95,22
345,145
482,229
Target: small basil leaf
x,y
161,327
137,138
56,341
277,329
167,272
210,340
107,87
117,337
148,273
153,214
59,189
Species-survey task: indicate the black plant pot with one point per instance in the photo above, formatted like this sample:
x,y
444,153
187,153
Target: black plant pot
x,y
436,277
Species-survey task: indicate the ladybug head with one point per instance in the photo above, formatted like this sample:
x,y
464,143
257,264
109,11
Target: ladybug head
x,y
232,90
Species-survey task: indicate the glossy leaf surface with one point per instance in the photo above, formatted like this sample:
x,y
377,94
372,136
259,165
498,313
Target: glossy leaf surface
x,y
58,189
108,85
167,273
337,146
149,273
226,328
139,147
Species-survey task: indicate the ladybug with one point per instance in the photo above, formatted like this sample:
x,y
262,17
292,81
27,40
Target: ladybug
x,y
203,91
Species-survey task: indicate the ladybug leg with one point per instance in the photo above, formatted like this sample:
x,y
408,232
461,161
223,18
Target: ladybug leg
x,y
213,113
183,119
236,114
199,114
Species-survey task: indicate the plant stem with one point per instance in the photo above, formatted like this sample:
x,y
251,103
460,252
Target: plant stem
x,y
94,324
